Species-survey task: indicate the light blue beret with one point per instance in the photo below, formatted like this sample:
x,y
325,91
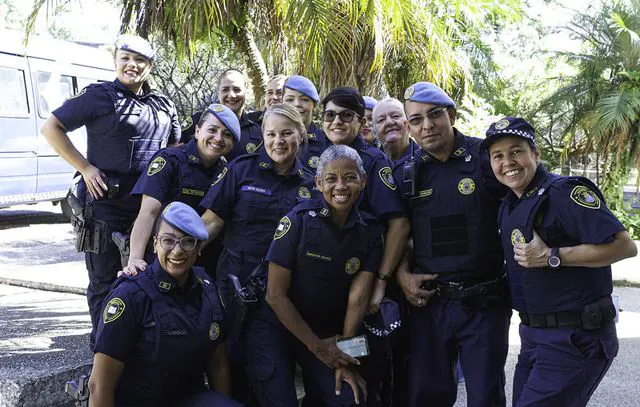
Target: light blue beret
x,y
427,92
303,85
139,45
227,117
182,216
369,102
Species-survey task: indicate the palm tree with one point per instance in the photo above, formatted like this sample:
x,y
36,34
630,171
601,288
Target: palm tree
x,y
601,103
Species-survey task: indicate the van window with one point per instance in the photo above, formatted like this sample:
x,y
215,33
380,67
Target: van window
x,y
53,90
13,97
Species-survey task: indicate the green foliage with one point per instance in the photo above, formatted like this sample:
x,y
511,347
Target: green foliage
x,y
630,218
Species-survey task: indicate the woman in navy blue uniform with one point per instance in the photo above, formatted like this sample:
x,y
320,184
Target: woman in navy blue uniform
x,y
368,129
162,330
184,174
301,93
272,95
559,240
127,123
249,199
322,265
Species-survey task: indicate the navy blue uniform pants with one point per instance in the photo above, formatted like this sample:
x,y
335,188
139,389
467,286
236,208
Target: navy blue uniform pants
x,y
272,353
561,366
209,399
444,330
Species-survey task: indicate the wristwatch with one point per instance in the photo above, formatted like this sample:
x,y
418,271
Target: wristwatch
x,y
554,258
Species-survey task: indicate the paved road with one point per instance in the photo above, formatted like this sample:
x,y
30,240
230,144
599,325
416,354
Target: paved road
x,y
47,330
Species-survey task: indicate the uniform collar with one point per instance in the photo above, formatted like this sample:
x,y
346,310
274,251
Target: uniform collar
x,y
165,283
324,212
245,121
194,158
122,88
265,163
533,189
460,149
359,144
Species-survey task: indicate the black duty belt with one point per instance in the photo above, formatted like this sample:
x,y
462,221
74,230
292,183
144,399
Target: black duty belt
x,y
458,290
591,317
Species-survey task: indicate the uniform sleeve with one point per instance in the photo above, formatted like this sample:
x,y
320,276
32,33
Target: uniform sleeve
x,y
284,247
119,324
92,102
375,251
159,179
583,213
382,192
176,131
221,197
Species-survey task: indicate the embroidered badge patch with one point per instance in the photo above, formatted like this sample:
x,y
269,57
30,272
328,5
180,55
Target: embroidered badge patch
x,y
194,158
502,124
186,123
214,331
251,148
352,265
165,285
409,92
264,165
386,175
459,152
313,161
324,212
156,166
517,237
466,186
113,310
583,196
303,192
283,228
220,176
425,193
216,107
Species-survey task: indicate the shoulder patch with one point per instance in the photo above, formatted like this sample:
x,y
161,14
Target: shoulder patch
x,y
386,175
251,147
220,176
283,228
156,166
186,123
113,310
583,196
303,192
82,92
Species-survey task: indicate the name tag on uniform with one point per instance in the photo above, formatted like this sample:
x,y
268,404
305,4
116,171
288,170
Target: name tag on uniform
x,y
317,256
174,332
189,191
259,190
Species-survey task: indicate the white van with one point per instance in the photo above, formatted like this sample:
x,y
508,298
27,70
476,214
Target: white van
x,y
33,82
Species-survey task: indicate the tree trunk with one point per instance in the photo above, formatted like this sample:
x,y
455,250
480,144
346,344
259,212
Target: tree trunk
x,y
256,67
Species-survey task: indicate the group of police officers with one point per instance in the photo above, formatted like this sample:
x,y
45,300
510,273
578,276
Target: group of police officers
x,y
387,223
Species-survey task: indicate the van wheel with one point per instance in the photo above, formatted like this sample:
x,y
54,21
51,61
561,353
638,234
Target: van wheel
x,y
67,212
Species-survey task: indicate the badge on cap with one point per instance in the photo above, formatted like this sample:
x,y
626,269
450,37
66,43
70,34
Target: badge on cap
x,y
585,197
113,310
283,228
386,175
409,92
352,265
466,186
216,107
156,166
501,124
517,237
303,192
214,331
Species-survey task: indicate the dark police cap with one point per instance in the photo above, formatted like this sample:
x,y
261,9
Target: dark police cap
x,y
139,45
509,126
183,217
227,117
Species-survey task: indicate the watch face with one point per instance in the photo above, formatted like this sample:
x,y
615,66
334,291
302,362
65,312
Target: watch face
x,y
554,261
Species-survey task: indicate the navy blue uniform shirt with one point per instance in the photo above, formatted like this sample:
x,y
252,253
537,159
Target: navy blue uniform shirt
x,y
564,211
453,213
178,174
250,138
324,259
317,142
251,198
380,197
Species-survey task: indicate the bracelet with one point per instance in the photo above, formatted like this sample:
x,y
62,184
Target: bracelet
x,y
383,277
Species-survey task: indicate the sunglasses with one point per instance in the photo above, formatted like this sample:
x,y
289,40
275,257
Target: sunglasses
x,y
432,115
346,116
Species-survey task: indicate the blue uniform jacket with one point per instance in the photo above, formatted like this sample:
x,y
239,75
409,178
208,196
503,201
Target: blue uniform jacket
x,y
317,142
323,259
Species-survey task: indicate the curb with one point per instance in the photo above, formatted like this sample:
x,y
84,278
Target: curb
x,y
37,285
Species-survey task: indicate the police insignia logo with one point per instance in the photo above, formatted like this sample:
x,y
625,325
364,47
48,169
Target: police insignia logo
x,y
214,331
113,310
304,193
251,148
220,176
313,161
583,196
82,92
186,123
409,92
517,237
165,285
386,175
156,166
466,186
352,265
502,124
283,228
194,158
217,108
459,152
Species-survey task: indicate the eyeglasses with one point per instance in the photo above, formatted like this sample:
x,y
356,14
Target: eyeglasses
x,y
346,116
432,115
187,243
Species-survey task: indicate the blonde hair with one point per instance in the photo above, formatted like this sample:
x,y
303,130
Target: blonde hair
x,y
290,113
